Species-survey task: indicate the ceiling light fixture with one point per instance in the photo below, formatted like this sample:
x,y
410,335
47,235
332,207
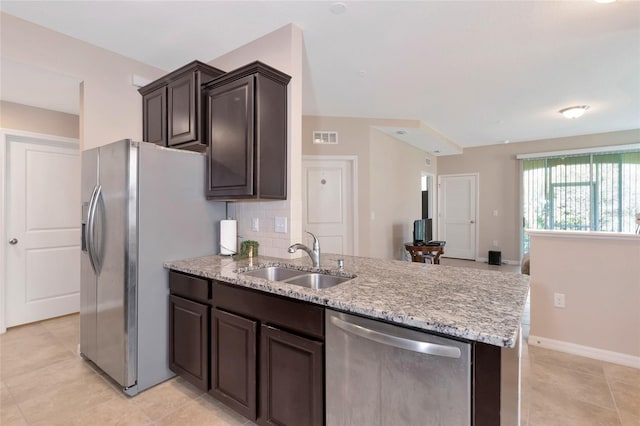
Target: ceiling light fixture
x,y
605,1
574,111
401,132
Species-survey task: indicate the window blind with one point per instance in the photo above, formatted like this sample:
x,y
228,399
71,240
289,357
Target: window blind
x,y
587,192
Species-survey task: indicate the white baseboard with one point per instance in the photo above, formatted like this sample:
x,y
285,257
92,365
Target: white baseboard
x,y
585,351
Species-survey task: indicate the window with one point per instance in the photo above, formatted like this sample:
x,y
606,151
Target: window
x,y
585,191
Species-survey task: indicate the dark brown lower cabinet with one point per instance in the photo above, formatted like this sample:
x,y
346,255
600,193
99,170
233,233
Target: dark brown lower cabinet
x,y
188,340
291,379
263,355
267,356
233,361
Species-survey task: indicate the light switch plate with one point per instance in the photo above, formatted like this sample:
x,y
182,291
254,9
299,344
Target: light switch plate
x,y
255,224
281,224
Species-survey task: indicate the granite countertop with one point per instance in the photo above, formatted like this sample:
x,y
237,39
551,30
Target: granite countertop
x,y
474,304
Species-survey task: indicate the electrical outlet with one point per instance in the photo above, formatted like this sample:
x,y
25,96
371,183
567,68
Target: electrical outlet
x,y
558,300
495,243
495,212
255,224
280,224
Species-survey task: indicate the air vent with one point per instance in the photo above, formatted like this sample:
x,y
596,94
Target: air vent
x,y
325,138
427,161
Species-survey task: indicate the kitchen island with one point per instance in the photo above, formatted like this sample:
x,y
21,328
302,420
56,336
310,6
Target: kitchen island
x,y
479,306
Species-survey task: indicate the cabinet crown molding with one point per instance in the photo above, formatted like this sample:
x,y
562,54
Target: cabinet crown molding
x,y
178,73
249,69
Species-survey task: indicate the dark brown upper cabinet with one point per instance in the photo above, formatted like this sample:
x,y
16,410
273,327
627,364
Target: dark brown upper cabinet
x,y
172,107
246,115
154,110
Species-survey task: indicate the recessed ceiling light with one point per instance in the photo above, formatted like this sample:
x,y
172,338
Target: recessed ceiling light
x,y
506,141
605,1
338,8
401,132
574,111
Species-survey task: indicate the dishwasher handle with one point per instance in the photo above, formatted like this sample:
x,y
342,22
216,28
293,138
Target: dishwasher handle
x,y
399,342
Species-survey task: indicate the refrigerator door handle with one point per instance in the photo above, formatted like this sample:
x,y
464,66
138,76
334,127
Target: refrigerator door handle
x,y
91,216
396,341
98,250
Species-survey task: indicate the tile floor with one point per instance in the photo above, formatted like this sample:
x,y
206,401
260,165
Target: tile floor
x,y
43,381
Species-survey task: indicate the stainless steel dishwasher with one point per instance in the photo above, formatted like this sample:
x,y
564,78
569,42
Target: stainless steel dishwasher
x,y
381,374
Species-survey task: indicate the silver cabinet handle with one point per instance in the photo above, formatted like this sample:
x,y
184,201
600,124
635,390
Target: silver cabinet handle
x,y
13,241
398,342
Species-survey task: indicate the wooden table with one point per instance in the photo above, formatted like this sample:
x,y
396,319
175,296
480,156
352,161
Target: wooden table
x,y
418,253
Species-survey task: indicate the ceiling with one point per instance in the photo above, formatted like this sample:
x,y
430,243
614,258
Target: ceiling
x,y
468,73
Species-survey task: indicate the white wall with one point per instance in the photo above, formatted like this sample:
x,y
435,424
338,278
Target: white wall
x,y
389,173
599,274
38,120
499,172
281,49
395,192
111,108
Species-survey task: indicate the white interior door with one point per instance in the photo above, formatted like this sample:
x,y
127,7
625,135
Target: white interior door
x,y
328,200
43,230
457,217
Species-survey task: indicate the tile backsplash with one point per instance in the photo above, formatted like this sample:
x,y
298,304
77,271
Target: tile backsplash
x,y
271,243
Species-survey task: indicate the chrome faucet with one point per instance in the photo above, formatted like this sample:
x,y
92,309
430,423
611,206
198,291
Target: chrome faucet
x,y
313,254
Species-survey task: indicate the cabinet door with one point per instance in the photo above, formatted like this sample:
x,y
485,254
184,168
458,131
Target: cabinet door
x,y
233,362
188,340
230,134
182,113
291,379
154,117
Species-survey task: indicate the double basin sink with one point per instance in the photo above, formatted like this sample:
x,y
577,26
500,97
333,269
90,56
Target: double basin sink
x,y
309,279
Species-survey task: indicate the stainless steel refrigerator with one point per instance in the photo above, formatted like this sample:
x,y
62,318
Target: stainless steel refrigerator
x,y
141,205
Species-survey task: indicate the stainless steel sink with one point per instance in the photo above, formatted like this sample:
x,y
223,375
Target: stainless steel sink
x,y
274,273
307,279
317,281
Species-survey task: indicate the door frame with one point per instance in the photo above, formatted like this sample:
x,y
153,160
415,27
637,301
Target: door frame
x,y
435,223
5,137
477,219
353,159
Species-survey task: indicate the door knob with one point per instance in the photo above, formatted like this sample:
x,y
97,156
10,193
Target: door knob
x,y
13,241
473,221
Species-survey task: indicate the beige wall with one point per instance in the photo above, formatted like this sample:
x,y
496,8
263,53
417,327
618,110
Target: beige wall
x,y
353,140
395,193
389,173
31,119
499,172
281,49
599,274
111,108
